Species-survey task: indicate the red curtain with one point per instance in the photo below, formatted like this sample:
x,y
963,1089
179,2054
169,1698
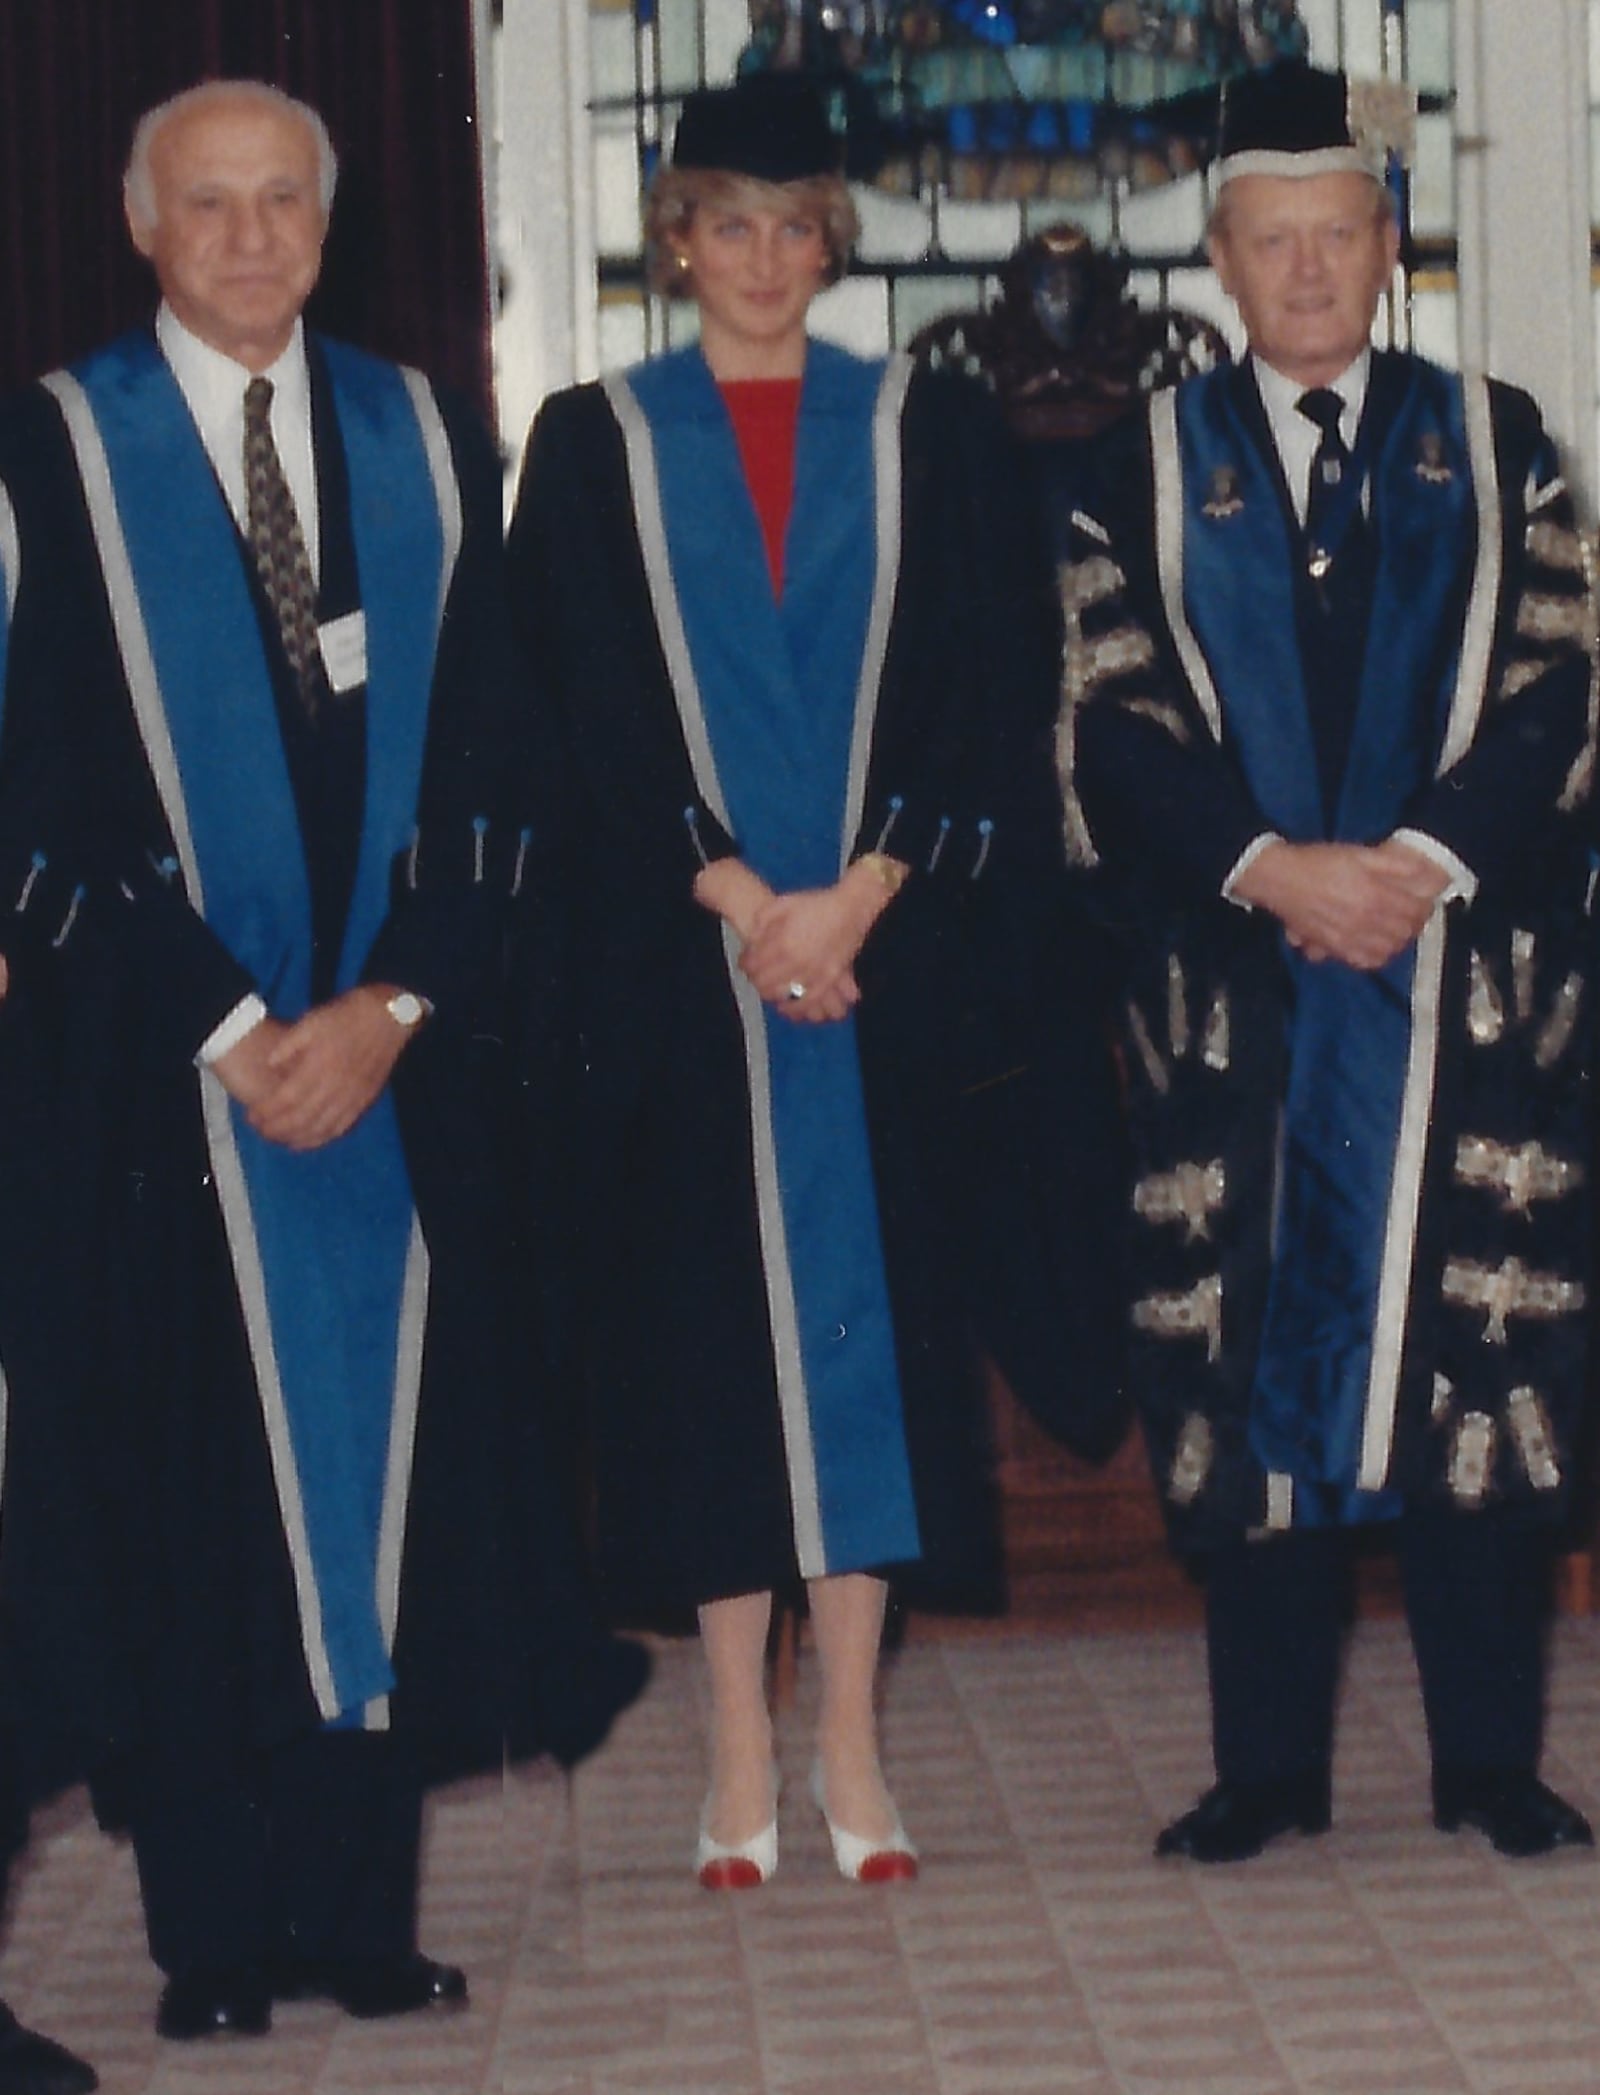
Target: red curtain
x,y
405,272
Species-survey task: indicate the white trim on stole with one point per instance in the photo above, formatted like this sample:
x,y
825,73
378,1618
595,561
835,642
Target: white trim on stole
x,y
1405,1193
144,690
1405,1196
1166,456
645,488
10,550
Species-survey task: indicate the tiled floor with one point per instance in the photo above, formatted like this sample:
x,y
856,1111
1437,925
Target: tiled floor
x,y
1042,1950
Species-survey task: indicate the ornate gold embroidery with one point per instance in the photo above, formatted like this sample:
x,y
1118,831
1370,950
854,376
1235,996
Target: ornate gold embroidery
x,y
1486,1014
1145,1048
1580,779
1520,1175
1191,1195
1552,619
1523,956
1115,654
1555,1036
1086,582
1509,1290
1555,545
1520,673
1177,1008
1215,1045
1197,1313
1535,1443
1432,467
1191,1461
1383,120
1224,501
1164,716
1472,1459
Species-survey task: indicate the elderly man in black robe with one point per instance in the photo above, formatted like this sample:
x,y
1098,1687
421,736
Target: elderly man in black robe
x,y
1334,748
259,685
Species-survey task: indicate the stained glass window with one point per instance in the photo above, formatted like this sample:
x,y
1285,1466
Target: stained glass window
x,y
936,245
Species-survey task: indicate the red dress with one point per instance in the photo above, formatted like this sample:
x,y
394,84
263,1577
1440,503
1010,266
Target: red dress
x,y
765,413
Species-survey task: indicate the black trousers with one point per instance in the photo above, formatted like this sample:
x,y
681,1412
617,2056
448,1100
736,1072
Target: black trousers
x,y
309,1850
1476,1593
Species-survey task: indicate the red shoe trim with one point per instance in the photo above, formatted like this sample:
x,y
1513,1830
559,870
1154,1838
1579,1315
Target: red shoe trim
x,y
888,1866
731,1873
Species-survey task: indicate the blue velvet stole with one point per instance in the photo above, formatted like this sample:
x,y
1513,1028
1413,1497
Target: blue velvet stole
x,y
778,688
331,1229
1350,1031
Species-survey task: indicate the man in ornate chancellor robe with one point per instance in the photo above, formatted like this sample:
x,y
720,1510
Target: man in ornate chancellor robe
x,y
260,686
1333,751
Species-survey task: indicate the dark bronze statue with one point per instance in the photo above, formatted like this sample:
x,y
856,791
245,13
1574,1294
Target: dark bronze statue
x,y
1066,348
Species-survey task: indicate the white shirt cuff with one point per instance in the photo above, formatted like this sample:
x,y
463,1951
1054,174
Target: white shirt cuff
x,y
245,1016
1242,864
1463,881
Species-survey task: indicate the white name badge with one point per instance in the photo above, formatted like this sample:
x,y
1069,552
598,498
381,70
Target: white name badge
x,y
344,650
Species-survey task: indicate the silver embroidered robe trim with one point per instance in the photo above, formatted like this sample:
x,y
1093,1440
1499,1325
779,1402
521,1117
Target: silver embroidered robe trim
x,y
1518,1174
1191,1194
1510,1290
1472,1459
1533,1439
1190,1313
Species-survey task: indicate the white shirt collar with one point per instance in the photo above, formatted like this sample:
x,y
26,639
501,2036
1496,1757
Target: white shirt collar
x,y
213,384
1279,394
213,387
1295,434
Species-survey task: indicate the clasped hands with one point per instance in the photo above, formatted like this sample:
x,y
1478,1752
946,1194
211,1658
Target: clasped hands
x,y
808,939
1358,903
305,1084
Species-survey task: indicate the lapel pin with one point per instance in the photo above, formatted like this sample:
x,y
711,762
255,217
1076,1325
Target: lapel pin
x,y
1431,466
1225,500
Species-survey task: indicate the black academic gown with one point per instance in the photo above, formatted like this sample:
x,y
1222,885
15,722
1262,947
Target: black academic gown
x,y
493,1642
1471,635
623,986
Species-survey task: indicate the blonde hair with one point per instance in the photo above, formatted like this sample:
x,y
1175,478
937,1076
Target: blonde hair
x,y
678,192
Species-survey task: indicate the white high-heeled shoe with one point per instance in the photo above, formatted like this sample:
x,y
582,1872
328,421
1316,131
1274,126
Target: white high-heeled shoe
x,y
743,1865
889,1861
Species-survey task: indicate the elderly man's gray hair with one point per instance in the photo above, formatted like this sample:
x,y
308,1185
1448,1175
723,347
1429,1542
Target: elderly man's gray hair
x,y
136,183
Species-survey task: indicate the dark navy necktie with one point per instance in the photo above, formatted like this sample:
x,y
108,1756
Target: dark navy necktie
x,y
1328,496
279,547
1339,555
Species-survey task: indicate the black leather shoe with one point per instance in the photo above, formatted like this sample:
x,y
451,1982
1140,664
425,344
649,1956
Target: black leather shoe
x,y
1520,1815
35,2065
1235,1820
372,1987
232,2002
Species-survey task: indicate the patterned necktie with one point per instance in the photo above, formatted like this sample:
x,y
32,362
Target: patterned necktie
x,y
279,547
1323,406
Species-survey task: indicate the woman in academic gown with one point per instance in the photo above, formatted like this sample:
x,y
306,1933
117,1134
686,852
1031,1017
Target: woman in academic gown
x,y
791,648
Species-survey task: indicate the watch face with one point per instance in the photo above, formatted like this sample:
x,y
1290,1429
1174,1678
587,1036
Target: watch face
x,y
405,1009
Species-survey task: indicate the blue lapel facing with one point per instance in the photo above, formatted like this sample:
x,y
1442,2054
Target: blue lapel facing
x,y
827,594
399,543
215,689
320,1241
778,684
1238,592
1424,518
